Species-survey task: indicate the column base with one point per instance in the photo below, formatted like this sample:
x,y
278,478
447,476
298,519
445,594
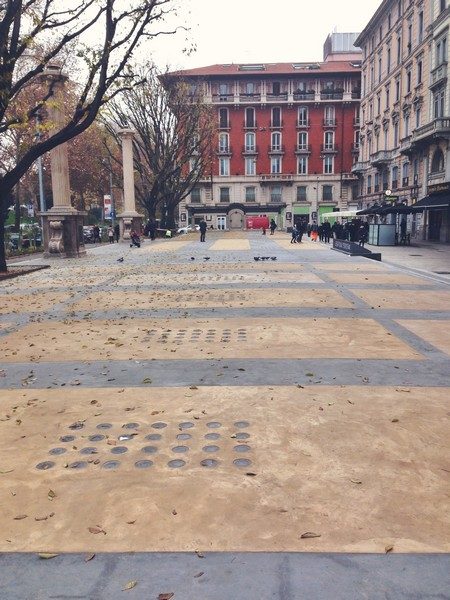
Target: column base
x,y
63,233
128,222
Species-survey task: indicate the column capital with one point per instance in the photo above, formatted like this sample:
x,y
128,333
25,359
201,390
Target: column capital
x,y
126,132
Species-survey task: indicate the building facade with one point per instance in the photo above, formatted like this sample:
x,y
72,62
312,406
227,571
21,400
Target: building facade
x,y
286,139
405,125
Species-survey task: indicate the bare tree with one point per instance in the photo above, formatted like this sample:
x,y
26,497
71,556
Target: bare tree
x,y
102,36
173,143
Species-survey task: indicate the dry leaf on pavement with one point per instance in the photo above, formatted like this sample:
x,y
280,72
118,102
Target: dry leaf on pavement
x,y
96,529
166,596
130,585
309,534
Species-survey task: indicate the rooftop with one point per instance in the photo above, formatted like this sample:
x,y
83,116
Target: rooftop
x,y
287,68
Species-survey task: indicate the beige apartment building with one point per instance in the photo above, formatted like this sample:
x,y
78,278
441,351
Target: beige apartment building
x,y
405,112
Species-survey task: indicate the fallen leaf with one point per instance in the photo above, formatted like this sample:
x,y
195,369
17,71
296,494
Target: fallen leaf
x,y
147,380
350,402
20,517
388,549
46,555
131,522
394,421
166,596
251,474
199,574
309,374
96,529
199,554
130,585
309,534
174,512
89,557
4,472
193,387
357,481
51,494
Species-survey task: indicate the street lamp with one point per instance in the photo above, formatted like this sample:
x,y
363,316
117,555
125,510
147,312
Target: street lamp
x,y
107,162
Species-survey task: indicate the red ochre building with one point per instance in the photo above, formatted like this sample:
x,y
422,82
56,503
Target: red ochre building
x,y
288,134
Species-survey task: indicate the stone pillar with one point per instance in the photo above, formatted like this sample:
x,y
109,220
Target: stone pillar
x,y
129,219
62,224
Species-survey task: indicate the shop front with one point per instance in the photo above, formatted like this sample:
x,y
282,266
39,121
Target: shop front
x,y
436,213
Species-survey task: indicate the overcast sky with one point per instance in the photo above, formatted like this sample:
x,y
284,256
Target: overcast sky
x,y
237,31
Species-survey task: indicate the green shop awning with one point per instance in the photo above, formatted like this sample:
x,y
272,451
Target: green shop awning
x,y
301,210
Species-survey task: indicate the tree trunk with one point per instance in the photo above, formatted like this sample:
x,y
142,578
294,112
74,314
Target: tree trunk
x,y
17,209
3,268
170,217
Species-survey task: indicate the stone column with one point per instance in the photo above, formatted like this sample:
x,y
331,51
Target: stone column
x,y
63,224
129,219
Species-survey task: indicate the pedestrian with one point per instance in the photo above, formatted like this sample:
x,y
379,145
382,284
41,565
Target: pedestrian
x,y
320,231
273,226
263,230
300,232
308,230
326,230
135,239
294,234
203,228
117,232
314,231
111,235
151,229
97,239
362,235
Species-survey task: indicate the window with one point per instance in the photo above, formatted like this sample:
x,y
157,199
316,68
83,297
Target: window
x,y
223,90
223,118
377,142
275,164
249,88
196,196
385,177
223,142
439,103
394,178
388,61
442,5
376,185
250,142
224,194
302,140
408,81
303,116
224,167
301,193
250,117
395,134
380,34
302,165
276,88
327,192
329,116
380,64
276,193
406,124
397,89
399,50
369,184
418,116
276,117
409,46
419,71
437,163
378,104
405,174
250,166
420,28
388,91
329,140
386,136
250,194
372,76
276,140
441,51
328,165
389,21
371,111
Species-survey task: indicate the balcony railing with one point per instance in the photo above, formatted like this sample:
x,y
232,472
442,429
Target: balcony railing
x,y
281,97
250,149
276,149
304,123
356,121
224,150
405,144
244,97
438,127
304,95
329,148
439,74
329,122
360,166
331,95
381,157
276,178
222,97
303,149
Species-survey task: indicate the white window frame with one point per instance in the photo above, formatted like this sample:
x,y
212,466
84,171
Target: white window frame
x,y
276,165
303,111
302,165
302,140
224,141
328,140
250,166
329,115
224,166
328,165
276,140
250,141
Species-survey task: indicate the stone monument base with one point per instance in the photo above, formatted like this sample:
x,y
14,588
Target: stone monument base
x,y
63,233
128,222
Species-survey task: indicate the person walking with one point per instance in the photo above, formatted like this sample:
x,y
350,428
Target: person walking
x,y
117,232
203,228
362,235
326,230
314,231
300,232
294,235
97,239
273,226
111,235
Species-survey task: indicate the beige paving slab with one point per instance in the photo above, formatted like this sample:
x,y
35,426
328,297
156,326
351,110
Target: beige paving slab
x,y
230,244
207,298
166,246
405,299
211,266
348,264
378,278
203,338
34,302
212,278
305,245
436,333
362,467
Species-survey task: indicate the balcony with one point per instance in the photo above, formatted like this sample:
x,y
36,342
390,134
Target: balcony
x,y
253,125
329,123
306,123
405,145
349,176
355,149
439,75
360,167
332,95
381,158
220,98
329,149
305,95
303,149
276,149
356,94
250,150
224,151
439,128
281,97
276,178
250,98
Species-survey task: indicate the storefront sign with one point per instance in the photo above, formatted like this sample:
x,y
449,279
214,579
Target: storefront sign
x,y
107,206
439,188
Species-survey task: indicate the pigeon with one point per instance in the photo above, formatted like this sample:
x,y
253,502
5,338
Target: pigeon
x,y
256,258
273,258
192,258
206,258
120,259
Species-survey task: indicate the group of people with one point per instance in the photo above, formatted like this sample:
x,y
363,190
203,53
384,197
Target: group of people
x,y
113,233
354,231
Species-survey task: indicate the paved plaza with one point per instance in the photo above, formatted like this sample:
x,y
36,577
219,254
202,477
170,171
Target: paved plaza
x,y
218,427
